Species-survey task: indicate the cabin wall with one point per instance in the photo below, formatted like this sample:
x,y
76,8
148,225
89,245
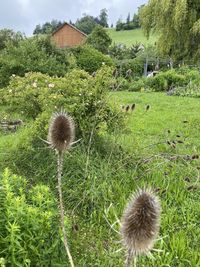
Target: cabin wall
x,y
67,37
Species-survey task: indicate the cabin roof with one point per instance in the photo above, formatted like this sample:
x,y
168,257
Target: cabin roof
x,y
65,23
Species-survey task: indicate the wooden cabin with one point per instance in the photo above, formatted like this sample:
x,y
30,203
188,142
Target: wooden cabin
x,y
68,36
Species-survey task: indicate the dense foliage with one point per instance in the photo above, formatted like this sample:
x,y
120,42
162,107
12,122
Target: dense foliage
x,y
130,24
178,26
29,224
47,27
183,81
32,54
121,51
82,95
87,23
9,36
90,59
99,39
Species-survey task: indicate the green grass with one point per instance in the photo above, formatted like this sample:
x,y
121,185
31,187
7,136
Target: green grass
x,y
118,164
130,37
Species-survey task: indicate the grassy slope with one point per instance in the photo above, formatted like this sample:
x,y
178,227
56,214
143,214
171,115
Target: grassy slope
x,y
112,176
130,37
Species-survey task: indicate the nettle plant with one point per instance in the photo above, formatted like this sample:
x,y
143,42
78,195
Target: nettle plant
x,y
29,232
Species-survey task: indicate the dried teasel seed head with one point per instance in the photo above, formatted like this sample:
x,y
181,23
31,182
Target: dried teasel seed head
x,y
61,131
141,222
133,106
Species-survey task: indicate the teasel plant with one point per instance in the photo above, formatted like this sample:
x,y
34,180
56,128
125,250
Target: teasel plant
x,y
140,224
60,138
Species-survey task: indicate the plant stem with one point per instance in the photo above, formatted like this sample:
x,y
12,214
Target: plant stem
x,y
135,262
59,176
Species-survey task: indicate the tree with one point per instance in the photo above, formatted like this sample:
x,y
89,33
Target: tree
x,y
9,36
178,26
47,27
86,24
128,19
37,29
103,18
119,25
136,22
99,39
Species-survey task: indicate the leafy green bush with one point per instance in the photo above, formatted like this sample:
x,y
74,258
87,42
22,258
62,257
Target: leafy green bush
x,y
173,78
28,222
32,54
119,51
168,80
99,39
90,59
84,96
157,83
121,84
190,90
130,64
138,85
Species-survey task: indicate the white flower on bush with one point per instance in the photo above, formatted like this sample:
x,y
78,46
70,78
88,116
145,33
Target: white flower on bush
x,y
51,85
34,85
10,91
13,75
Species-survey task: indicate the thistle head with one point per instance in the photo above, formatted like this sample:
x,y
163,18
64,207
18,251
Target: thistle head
x,y
140,222
61,131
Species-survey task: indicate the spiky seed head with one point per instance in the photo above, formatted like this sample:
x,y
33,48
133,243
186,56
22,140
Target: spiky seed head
x,y
147,107
61,131
140,222
133,106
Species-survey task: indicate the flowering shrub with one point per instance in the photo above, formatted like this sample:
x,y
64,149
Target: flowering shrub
x,y
79,93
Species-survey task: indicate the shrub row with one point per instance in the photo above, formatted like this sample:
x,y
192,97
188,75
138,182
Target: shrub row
x,y
82,95
166,81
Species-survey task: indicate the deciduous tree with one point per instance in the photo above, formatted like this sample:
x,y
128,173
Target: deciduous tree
x,y
178,26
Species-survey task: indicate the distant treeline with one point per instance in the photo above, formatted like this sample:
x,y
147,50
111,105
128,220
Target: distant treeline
x,y
129,24
86,24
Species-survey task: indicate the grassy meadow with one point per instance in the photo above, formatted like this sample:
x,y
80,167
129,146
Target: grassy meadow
x,y
130,37
156,149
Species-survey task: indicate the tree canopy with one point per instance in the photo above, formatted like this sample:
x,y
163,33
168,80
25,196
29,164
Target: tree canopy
x,y
103,18
9,36
99,39
47,27
86,24
178,26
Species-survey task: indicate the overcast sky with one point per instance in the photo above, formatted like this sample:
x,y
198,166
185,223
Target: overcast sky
x,y
24,15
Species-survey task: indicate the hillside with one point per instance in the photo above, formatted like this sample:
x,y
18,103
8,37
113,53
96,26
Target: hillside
x,y
130,37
